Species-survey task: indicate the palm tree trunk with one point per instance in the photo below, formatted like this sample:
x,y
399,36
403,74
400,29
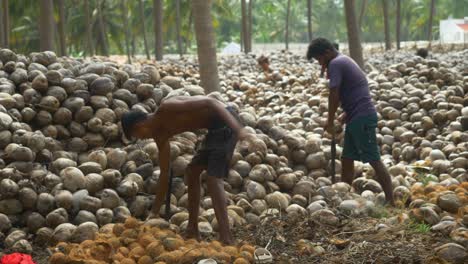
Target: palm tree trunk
x,y
286,36
2,34
309,19
398,23
249,25
206,45
245,29
102,30
431,18
88,29
188,41
179,39
158,29
145,39
354,41
46,25
127,37
61,28
388,44
361,13
6,24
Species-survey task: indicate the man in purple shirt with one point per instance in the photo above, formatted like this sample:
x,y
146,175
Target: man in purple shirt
x,y
348,86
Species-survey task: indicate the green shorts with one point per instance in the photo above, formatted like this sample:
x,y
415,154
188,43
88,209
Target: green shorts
x,y
360,142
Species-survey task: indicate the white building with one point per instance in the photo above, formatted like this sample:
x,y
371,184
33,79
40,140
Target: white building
x,y
454,30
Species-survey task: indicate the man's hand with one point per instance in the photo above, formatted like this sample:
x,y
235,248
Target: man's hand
x,y
330,128
342,118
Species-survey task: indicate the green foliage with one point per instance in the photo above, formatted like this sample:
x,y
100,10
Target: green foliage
x,y
422,228
268,22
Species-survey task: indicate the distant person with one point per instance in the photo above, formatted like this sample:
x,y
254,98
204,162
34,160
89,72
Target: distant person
x,y
348,87
264,63
179,114
422,52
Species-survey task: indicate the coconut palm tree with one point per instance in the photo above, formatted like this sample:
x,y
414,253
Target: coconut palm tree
x,y
145,38
354,41
388,44
46,25
309,19
286,36
206,45
158,28
61,28
398,23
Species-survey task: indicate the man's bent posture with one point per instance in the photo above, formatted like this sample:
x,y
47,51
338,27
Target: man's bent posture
x,y
181,114
348,86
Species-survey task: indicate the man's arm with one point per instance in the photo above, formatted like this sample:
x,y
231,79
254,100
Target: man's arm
x,y
333,103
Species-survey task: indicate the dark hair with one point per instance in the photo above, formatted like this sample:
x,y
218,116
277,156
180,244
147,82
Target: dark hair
x,y
336,45
129,120
422,52
318,46
262,59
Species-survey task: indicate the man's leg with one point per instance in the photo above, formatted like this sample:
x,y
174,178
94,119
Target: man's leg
x,y
347,170
216,189
193,184
383,177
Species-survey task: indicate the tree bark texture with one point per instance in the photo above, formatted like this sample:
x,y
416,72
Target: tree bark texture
x,y
388,44
206,45
88,28
245,26
431,18
286,36
102,30
249,25
354,41
158,29
46,25
179,39
6,23
398,23
145,38
61,28
309,19
126,29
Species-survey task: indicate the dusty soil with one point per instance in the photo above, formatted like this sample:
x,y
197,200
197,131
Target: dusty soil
x,y
355,240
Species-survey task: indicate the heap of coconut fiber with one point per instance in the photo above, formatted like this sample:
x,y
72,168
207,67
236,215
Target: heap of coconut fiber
x,y
65,169
133,242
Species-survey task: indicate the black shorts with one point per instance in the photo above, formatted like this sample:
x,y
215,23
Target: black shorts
x,y
215,152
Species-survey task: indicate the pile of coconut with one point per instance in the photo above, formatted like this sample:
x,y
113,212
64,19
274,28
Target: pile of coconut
x,y
65,167
133,242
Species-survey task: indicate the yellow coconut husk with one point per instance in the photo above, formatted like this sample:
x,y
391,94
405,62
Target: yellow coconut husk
x,y
191,255
127,261
170,257
241,261
145,260
146,239
246,255
248,248
137,252
172,243
131,223
118,229
155,249
59,258
230,250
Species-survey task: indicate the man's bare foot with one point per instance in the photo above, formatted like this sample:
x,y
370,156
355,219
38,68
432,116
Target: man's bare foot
x,y
226,239
152,215
192,233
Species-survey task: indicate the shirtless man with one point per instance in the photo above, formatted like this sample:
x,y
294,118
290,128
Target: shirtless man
x,y
180,114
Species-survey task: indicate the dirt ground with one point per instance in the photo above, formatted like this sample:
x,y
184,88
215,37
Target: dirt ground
x,y
355,240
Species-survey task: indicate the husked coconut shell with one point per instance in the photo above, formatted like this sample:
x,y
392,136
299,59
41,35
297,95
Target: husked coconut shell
x,y
101,86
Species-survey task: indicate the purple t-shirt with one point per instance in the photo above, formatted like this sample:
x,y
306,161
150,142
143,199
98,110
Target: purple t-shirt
x,y
351,81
